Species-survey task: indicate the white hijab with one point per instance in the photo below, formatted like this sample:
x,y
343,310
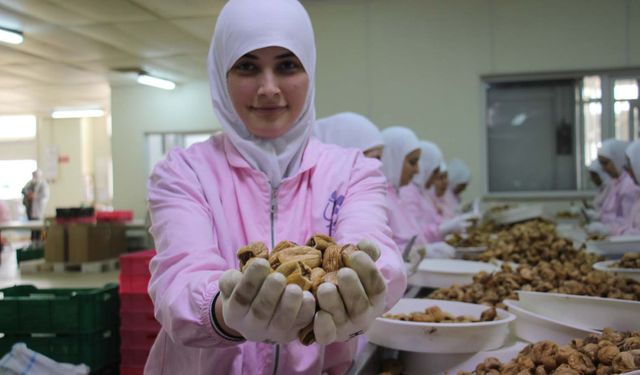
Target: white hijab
x,y
633,152
597,168
430,159
244,26
459,173
614,149
398,143
348,129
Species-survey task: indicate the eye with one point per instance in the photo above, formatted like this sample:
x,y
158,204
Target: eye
x,y
245,67
290,66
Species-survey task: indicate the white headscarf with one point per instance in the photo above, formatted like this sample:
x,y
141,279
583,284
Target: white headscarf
x,y
633,152
597,168
348,129
430,159
398,143
459,173
244,26
613,150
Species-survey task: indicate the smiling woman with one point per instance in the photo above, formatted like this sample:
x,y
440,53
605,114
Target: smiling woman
x,y
268,87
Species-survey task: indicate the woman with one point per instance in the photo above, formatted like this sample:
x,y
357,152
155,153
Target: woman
x,y
601,180
264,179
348,129
631,226
441,200
459,178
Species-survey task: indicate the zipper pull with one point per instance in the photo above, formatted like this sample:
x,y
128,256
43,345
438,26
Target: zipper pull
x,y
274,201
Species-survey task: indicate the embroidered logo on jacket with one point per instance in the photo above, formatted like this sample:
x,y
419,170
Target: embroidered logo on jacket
x,y
331,211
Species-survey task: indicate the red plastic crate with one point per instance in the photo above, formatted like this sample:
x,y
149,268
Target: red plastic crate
x,y
137,339
138,321
134,271
131,370
133,357
135,302
118,216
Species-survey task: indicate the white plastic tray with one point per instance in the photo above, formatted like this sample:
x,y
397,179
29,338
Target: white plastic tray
x,y
583,311
440,337
518,214
630,273
432,364
534,327
442,273
616,245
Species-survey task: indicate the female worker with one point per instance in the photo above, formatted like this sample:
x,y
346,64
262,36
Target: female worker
x,y
348,129
459,178
631,226
264,179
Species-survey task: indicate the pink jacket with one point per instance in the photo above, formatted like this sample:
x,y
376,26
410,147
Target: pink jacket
x,y
206,202
601,195
617,205
631,225
423,212
403,224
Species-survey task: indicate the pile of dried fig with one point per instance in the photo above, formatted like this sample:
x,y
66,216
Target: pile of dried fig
x,y
629,260
434,314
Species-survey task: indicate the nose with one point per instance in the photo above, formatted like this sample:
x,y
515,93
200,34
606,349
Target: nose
x,y
269,85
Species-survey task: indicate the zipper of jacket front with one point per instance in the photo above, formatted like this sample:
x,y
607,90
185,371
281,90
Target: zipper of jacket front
x,y
274,212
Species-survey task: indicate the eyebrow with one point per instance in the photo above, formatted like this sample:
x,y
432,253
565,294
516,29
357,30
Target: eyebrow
x,y
254,57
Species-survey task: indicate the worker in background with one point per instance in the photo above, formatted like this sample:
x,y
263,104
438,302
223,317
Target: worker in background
x,y
264,179
459,178
438,194
602,182
631,226
35,195
348,129
617,205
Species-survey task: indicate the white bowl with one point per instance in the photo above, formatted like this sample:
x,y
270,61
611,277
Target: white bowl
x,y
442,273
518,214
472,251
432,364
629,273
440,337
584,311
615,246
534,327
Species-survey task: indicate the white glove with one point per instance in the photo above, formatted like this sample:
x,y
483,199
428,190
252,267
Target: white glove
x,y
349,309
456,225
440,250
592,214
598,228
261,307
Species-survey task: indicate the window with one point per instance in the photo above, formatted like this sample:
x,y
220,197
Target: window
x,y
17,128
15,174
543,133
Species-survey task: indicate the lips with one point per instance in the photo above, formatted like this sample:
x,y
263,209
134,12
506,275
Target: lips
x,y
268,111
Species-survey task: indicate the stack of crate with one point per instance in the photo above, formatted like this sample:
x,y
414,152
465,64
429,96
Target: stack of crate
x,y
68,325
139,327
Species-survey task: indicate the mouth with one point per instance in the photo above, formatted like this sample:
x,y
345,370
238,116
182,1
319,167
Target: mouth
x,y
268,110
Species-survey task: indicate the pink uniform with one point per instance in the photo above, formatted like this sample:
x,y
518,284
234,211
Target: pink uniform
x,y
631,224
617,205
420,208
207,201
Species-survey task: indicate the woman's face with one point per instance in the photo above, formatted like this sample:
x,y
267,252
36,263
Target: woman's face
x,y
595,178
441,183
432,178
410,166
458,189
608,166
268,88
374,152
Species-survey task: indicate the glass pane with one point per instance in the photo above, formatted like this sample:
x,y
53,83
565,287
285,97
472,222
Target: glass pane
x,y
531,129
15,174
591,88
17,127
625,89
592,130
623,128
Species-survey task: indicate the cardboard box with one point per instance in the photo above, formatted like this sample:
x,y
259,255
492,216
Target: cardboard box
x,y
94,242
55,245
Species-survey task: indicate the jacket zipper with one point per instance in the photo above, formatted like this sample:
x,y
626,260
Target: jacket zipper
x,y
274,211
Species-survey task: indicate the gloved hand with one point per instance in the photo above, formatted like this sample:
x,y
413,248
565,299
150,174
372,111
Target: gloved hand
x,y
440,250
456,225
598,228
592,214
261,307
349,309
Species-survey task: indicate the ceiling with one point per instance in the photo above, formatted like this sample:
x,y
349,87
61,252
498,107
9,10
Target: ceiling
x,y
72,49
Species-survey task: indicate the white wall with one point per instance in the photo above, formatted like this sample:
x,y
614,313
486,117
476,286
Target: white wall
x,y
411,62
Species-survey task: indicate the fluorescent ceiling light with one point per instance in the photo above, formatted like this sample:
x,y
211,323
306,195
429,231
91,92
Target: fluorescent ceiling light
x,y
77,113
156,82
10,36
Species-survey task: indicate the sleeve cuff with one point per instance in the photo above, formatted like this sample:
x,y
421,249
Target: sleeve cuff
x,y
216,325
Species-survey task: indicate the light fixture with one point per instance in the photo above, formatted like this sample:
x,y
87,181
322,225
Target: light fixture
x,y
77,113
160,83
10,36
